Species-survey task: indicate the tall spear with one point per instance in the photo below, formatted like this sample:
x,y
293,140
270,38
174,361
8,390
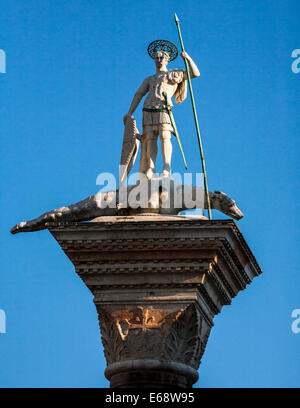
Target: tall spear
x,y
196,120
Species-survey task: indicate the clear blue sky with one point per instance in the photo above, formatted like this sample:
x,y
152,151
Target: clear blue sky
x,y
72,69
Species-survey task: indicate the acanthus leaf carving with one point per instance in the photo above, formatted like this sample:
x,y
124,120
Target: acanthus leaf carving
x,y
113,345
187,338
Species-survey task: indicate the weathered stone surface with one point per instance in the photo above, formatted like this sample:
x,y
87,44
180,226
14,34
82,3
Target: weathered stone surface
x,y
157,284
163,200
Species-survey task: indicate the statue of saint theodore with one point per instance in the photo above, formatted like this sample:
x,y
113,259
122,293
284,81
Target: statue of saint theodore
x,y
156,120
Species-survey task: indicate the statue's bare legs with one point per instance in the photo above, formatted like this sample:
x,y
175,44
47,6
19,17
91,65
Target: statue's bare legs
x,y
166,148
151,140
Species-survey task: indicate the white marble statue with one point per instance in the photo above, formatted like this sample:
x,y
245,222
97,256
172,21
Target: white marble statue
x,y
156,120
152,194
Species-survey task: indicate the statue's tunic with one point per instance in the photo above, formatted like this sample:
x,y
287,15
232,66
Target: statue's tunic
x,y
173,83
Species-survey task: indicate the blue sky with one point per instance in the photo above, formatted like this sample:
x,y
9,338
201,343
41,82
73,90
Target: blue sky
x,y
72,69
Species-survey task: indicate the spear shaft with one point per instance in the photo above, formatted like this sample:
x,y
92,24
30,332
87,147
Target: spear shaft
x,y
196,120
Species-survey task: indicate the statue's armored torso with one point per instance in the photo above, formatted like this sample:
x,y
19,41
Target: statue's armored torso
x,y
172,83
166,81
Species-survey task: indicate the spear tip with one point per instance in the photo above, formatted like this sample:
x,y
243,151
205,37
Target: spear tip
x,y
176,18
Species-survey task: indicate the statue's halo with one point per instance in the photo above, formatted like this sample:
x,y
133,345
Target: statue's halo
x,y
163,45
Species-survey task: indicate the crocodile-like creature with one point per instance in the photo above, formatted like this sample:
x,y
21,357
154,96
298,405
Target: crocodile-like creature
x,y
112,203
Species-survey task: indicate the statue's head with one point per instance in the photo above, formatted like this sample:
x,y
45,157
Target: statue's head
x,y
162,51
161,59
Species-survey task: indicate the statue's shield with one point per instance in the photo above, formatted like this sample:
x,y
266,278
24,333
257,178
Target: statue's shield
x,y
130,147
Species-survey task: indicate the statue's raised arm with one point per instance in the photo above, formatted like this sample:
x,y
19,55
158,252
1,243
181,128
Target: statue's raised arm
x,y
194,71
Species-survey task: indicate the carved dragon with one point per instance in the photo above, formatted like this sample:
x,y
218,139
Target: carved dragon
x,y
110,204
